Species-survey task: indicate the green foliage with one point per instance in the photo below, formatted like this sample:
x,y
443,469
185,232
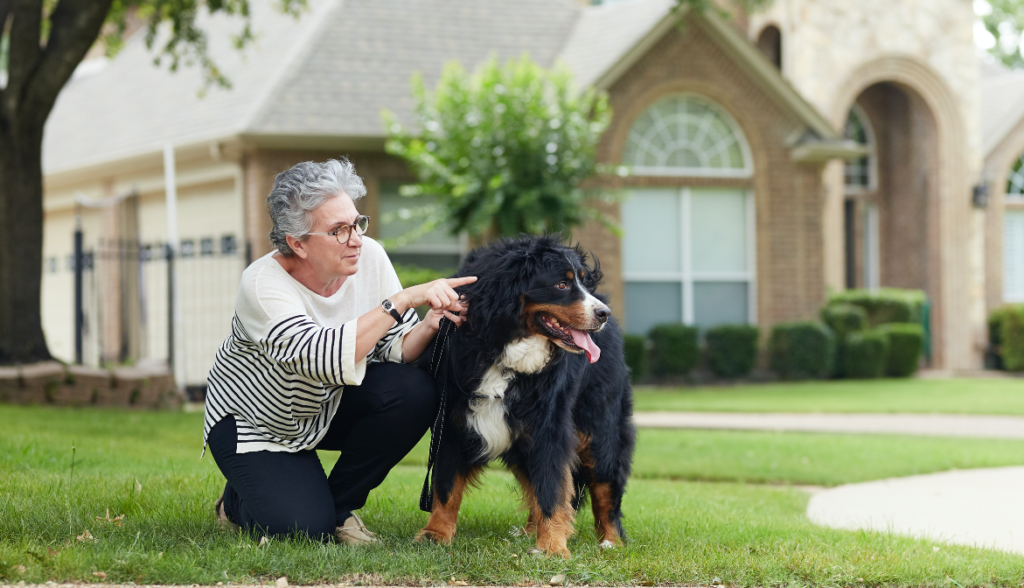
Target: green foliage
x,y
414,275
905,344
866,354
843,319
503,151
732,350
1012,338
885,305
995,330
636,356
674,349
1004,20
188,43
802,350
702,6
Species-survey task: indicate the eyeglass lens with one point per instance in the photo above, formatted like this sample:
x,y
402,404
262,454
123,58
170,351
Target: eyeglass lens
x,y
345,232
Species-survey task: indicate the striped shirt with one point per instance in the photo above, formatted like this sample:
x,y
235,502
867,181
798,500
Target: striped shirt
x,y
291,352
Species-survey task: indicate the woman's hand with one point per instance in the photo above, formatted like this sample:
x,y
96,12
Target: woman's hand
x,y
457,315
439,294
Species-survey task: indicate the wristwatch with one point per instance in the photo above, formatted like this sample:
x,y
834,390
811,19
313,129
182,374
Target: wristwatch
x,y
388,307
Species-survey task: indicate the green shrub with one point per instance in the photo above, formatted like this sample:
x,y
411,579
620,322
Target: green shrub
x,y
905,344
866,354
732,350
802,350
995,332
843,319
1011,337
674,349
636,356
414,275
885,305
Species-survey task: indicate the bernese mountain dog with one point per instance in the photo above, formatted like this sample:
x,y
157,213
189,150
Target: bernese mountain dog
x,y
534,377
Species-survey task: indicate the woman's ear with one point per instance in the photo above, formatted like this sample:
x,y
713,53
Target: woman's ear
x,y
298,247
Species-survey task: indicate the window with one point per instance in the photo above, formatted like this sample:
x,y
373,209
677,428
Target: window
x,y
1013,256
859,174
685,135
1015,183
436,250
770,44
688,255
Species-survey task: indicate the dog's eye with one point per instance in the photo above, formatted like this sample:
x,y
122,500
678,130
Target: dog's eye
x,y
562,285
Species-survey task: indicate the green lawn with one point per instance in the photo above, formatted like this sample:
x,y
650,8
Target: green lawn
x,y
680,531
955,396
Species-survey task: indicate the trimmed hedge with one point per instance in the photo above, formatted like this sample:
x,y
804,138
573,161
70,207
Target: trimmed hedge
x,y
905,344
674,351
866,354
885,305
636,356
731,350
414,275
995,332
1011,336
802,350
843,319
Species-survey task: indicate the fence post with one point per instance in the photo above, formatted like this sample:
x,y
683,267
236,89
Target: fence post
x,y
170,307
79,263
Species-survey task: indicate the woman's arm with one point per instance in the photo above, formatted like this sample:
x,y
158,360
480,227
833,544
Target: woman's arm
x,y
419,337
441,297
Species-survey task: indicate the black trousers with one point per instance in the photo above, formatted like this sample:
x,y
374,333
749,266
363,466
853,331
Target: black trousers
x,y
377,424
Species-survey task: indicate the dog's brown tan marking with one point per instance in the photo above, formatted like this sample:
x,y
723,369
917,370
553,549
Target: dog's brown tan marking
x,y
444,517
552,532
601,505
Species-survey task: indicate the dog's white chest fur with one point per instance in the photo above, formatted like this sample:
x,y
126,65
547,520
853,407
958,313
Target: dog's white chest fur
x,y
487,409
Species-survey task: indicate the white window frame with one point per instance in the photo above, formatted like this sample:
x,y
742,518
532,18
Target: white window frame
x,y
688,276
706,172
872,155
1008,295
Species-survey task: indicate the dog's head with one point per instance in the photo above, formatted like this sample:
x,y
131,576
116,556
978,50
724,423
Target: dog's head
x,y
535,286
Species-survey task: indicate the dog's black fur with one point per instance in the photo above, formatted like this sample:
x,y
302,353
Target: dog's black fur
x,y
570,422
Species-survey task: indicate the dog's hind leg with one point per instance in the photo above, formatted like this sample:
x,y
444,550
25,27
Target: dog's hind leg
x,y
444,516
607,518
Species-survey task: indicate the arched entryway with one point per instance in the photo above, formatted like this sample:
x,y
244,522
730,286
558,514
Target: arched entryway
x,y
922,199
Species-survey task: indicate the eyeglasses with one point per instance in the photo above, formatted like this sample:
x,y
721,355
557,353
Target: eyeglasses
x,y
344,232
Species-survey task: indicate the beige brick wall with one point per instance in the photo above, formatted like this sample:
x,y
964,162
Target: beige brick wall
x,y
789,196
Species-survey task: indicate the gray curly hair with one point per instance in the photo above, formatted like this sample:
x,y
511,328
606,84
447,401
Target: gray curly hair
x,y
302,189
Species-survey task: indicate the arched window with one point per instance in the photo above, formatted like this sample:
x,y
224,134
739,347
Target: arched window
x,y
688,252
859,174
684,135
770,43
1015,183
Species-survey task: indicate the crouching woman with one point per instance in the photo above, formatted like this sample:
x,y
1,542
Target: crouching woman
x,y
316,359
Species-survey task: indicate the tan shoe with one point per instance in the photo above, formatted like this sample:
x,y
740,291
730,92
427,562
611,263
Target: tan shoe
x,y
354,532
222,517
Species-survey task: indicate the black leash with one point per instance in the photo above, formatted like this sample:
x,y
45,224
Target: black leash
x,y
441,347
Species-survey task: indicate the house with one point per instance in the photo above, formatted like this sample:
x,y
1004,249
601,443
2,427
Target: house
x,y
817,146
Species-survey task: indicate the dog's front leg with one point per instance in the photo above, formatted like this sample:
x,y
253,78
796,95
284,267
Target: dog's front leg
x,y
554,519
444,514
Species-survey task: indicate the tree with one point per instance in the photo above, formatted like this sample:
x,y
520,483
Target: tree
x,y
1004,21
41,44
502,151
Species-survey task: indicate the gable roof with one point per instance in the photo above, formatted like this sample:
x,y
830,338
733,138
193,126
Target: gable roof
x,y
1002,104
326,74
329,73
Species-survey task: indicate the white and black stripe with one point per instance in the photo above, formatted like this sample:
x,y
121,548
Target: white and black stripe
x,y
284,389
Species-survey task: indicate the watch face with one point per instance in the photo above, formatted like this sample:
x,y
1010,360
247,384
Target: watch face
x,y
387,305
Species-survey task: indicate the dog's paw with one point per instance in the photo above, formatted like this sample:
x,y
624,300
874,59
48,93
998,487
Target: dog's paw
x,y
539,552
433,537
607,544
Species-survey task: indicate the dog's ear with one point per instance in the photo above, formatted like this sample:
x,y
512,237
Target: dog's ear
x,y
593,276
505,270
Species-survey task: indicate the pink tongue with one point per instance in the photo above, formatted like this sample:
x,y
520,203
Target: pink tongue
x,y
583,341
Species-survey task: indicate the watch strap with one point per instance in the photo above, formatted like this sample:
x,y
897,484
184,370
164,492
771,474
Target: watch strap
x,y
389,307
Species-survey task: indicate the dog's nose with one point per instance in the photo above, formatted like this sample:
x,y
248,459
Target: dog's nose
x,y
602,313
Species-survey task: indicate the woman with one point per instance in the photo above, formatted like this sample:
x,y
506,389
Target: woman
x,y
315,360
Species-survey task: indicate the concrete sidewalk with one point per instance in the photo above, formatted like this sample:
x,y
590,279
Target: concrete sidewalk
x,y
980,507
939,425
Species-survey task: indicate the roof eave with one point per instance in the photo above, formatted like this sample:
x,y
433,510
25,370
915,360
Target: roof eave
x,y
819,151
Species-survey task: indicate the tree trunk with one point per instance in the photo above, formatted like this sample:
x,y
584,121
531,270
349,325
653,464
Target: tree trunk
x,y
21,242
